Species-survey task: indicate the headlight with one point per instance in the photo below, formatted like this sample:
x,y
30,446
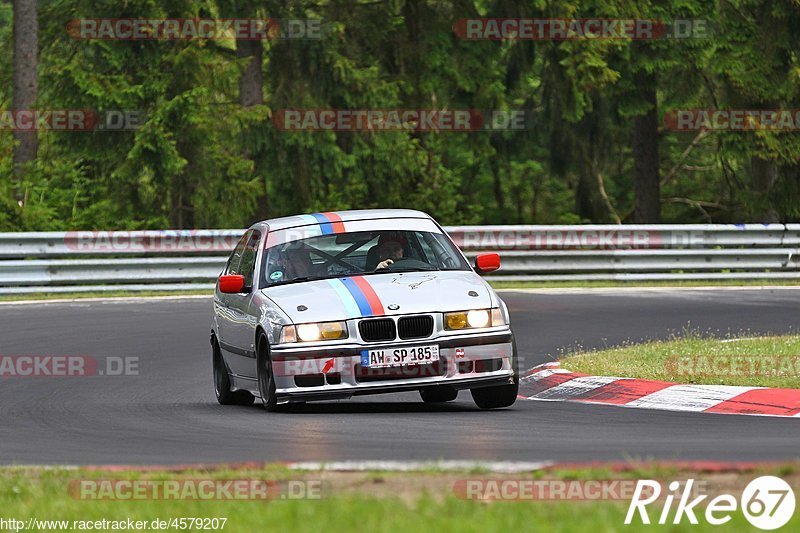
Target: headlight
x,y
478,318
475,318
316,331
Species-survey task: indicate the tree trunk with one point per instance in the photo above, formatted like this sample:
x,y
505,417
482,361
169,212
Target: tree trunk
x,y
251,93
646,179
764,174
25,82
251,82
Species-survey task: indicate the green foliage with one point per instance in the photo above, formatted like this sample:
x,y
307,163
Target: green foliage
x,y
200,159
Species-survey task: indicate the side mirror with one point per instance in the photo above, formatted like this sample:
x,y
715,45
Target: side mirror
x,y
231,284
485,263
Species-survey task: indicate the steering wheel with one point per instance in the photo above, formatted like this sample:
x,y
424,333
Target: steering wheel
x,y
410,262
394,262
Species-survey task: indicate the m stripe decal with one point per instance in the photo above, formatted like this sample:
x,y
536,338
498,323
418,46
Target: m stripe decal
x,y
370,294
364,296
336,222
329,222
344,295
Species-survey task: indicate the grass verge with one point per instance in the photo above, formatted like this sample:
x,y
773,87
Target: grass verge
x,y
364,501
754,361
98,294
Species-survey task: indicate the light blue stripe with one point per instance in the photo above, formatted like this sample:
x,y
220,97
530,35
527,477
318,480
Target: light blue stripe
x,y
324,223
309,219
347,299
358,296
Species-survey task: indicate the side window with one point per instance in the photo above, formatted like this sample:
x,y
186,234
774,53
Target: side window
x,y
248,263
232,267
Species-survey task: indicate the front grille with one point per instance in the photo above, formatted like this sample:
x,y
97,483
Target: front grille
x,y
415,327
366,375
381,329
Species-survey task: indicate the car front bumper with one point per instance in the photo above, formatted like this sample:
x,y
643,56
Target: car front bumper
x,y
323,372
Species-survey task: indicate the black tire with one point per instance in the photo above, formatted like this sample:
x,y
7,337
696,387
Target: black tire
x,y
441,394
266,383
222,381
501,395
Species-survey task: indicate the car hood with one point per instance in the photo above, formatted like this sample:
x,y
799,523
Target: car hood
x,y
357,296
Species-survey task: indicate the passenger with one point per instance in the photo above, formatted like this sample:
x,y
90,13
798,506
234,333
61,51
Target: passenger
x,y
297,263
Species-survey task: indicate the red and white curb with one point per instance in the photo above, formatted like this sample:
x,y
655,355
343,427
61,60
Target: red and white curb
x,y
550,382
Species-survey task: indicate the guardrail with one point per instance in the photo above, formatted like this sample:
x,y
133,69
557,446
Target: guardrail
x,y
192,259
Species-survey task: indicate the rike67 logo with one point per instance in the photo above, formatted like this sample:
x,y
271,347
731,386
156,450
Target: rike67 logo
x,y
767,502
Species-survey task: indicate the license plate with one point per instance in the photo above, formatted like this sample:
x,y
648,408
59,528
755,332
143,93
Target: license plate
x,y
408,355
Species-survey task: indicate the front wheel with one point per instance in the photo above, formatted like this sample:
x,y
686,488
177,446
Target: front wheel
x,y
501,395
266,379
222,381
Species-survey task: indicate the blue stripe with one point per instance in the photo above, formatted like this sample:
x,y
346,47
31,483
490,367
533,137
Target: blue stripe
x,y
358,296
347,300
324,223
364,357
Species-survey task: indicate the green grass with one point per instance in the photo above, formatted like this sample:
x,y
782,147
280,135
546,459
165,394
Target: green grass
x,y
98,294
44,494
755,361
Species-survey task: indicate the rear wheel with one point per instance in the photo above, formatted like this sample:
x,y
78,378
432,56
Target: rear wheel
x,y
501,395
222,382
439,394
266,380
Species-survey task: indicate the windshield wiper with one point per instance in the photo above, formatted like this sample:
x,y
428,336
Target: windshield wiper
x,y
297,280
407,269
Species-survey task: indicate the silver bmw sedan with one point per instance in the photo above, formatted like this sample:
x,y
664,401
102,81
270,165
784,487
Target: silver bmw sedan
x,y
332,305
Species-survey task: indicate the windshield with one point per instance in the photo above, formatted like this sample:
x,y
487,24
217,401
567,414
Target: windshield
x,y
361,252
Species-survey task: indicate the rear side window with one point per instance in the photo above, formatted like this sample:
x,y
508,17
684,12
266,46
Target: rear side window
x,y
248,262
232,267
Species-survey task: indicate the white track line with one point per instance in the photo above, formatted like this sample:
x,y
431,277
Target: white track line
x,y
688,397
574,387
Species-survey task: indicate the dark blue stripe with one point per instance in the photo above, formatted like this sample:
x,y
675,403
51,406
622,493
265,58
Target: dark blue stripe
x,y
358,296
324,224
364,357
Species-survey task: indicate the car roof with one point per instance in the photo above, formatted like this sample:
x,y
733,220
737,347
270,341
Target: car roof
x,y
293,221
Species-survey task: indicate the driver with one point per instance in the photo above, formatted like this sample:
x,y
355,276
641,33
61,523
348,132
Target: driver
x,y
388,253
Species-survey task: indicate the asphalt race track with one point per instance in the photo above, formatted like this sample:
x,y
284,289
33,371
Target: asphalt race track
x,y
168,414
